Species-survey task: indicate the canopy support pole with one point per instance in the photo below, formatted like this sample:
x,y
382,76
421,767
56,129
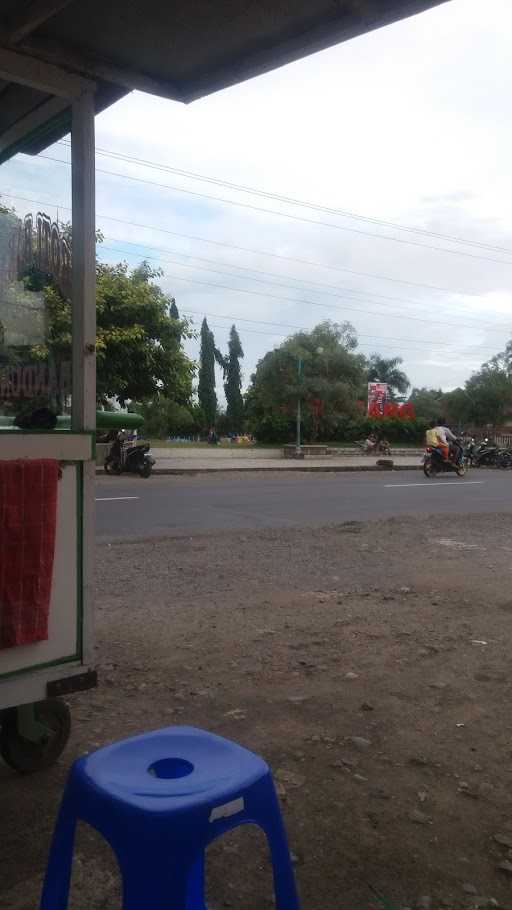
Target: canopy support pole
x,y
84,331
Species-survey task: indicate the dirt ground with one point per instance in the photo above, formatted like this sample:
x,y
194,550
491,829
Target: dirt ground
x,y
368,663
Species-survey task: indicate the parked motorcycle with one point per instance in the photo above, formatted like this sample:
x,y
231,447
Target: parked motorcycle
x,y
374,446
135,459
485,453
434,463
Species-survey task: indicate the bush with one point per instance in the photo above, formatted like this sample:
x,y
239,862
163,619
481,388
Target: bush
x,y
274,428
281,428
393,428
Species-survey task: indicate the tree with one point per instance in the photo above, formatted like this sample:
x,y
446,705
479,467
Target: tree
x,y
138,344
428,403
382,369
490,394
206,387
164,417
319,367
233,382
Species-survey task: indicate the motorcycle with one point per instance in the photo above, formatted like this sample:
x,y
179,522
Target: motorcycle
x,y
485,453
434,463
135,459
377,447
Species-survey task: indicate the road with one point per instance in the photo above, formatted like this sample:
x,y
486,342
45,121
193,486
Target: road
x,y
167,506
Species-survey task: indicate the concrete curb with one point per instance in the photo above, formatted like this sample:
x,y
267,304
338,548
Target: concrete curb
x,y
319,469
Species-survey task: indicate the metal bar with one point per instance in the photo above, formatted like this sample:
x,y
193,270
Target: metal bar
x,y
84,332
46,77
26,125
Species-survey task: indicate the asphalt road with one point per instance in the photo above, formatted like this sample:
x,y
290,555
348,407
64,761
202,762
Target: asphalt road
x,y
129,507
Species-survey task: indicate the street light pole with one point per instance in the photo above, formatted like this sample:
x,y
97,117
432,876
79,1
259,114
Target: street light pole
x,y
299,413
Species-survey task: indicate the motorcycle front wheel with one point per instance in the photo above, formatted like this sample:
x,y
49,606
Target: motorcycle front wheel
x,y
145,469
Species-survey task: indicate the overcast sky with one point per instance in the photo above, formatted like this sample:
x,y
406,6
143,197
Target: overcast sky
x,y
409,124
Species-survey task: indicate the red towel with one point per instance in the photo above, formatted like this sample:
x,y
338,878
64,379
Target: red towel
x,y
28,518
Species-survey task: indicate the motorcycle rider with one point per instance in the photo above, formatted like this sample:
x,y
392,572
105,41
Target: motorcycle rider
x,y
436,439
450,442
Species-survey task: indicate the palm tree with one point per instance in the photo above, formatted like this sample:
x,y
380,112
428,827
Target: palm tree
x,y
382,369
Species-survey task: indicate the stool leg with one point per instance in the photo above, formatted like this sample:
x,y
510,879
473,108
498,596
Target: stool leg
x,y
195,893
266,812
55,894
284,877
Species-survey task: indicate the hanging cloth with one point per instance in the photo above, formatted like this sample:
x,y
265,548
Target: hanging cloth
x,y
28,519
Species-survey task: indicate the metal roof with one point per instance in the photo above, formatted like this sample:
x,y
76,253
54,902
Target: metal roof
x,y
179,49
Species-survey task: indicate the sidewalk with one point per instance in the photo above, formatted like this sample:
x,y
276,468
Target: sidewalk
x,y
203,461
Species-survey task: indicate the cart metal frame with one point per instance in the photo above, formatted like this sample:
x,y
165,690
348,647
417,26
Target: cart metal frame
x,y
34,680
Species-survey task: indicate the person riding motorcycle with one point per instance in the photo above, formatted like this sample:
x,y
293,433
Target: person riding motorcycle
x,y
448,441
439,436
436,439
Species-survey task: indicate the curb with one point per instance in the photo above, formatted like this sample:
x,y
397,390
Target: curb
x,y
318,469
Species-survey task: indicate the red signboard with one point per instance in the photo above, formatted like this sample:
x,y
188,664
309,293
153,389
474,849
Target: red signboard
x,y
377,397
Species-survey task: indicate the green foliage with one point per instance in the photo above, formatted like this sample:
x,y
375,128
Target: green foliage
x,y
429,404
330,375
164,417
274,427
139,352
206,387
233,383
138,342
487,395
382,369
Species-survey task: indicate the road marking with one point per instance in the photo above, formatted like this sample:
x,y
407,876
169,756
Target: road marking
x,y
114,498
442,483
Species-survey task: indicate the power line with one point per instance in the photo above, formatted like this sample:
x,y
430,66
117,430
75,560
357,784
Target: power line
x,y
252,251
303,328
289,200
213,325
221,243
347,292
257,208
309,302
304,300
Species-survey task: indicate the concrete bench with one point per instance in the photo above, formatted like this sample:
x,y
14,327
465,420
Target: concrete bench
x,y
306,451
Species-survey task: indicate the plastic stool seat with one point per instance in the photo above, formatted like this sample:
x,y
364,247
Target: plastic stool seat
x,y
150,771
159,799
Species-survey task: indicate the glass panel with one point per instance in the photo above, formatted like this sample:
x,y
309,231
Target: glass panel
x,y
35,321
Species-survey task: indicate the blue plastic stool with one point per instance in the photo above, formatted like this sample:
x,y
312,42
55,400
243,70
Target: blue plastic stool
x,y
159,799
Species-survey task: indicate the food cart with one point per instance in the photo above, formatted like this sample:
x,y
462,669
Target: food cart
x,y
61,61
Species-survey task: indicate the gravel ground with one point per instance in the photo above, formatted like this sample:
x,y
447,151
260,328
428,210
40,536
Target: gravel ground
x,y
368,663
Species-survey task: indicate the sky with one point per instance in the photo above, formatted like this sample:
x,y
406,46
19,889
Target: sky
x,y
409,124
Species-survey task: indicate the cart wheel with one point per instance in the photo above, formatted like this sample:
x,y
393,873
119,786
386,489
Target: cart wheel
x,y
26,756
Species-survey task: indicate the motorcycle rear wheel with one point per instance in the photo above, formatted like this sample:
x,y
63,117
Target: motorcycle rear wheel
x,y
112,467
429,470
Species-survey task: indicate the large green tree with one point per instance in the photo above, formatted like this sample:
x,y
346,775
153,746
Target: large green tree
x,y
206,387
233,382
319,367
383,369
138,343
428,403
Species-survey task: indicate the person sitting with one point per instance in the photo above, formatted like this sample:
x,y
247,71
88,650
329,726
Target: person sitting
x,y
371,443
